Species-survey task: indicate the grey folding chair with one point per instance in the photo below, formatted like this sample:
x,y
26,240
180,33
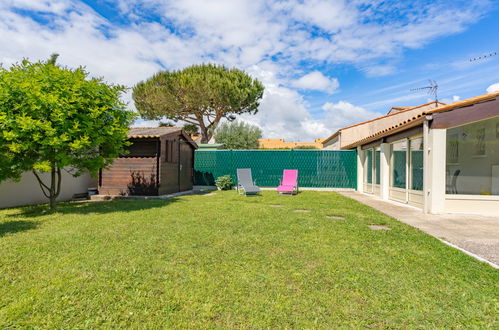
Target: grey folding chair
x,y
245,184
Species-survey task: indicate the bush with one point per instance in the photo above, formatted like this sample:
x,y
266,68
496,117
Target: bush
x,y
224,182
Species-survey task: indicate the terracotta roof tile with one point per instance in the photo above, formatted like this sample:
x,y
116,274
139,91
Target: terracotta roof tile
x,y
420,117
378,118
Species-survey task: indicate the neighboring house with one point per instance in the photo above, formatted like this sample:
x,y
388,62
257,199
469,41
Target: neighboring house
x,y
442,160
397,109
28,191
159,161
281,144
347,135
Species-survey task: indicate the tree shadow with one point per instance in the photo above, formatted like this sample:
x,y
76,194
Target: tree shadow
x,y
15,226
94,207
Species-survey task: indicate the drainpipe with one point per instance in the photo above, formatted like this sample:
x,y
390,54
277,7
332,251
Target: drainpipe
x,y
426,163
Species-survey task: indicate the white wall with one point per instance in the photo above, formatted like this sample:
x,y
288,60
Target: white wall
x,y
435,170
333,144
28,192
355,133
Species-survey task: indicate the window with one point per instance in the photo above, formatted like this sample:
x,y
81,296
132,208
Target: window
x,y
142,148
377,164
472,166
399,163
452,149
479,141
416,145
368,168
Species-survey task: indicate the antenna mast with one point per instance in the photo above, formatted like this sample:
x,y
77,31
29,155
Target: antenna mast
x,y
483,57
432,89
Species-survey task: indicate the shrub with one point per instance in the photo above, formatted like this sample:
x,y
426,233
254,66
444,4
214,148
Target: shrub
x,y
224,182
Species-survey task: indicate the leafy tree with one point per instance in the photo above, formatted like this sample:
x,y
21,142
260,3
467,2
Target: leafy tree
x,y
305,147
200,95
54,118
191,129
238,135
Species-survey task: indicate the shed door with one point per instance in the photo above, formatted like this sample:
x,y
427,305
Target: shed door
x,y
186,165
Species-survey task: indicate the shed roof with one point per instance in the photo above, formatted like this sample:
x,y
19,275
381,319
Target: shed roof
x,y
151,132
419,118
157,132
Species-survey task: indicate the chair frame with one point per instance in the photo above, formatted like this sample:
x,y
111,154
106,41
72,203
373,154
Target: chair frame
x,y
286,193
240,188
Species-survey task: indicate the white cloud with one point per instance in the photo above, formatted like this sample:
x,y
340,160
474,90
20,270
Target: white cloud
x,y
379,70
316,81
342,114
454,98
268,39
283,112
493,88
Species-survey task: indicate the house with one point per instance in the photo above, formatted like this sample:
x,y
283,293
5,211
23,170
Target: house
x,y
347,135
281,144
159,161
443,160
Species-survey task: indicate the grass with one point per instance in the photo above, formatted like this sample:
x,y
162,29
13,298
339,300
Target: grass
x,y
231,261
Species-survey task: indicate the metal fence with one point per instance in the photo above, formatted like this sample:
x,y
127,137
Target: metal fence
x,y
316,168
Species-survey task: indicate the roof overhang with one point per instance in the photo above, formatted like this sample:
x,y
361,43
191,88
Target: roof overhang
x,y
405,125
420,118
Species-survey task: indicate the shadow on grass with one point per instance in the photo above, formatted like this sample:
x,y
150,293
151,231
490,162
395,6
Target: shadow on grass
x,y
96,207
12,227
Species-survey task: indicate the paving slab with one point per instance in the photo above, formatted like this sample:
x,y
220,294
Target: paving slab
x,y
473,233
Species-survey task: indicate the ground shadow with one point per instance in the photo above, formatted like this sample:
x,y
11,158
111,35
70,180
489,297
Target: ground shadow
x,y
97,207
15,226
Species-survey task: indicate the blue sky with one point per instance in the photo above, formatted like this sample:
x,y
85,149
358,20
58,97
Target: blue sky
x,y
325,64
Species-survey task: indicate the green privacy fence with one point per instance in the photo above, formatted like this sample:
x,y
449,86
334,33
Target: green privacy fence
x,y
316,168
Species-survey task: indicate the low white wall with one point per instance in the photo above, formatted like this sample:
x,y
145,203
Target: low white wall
x,y
28,192
470,204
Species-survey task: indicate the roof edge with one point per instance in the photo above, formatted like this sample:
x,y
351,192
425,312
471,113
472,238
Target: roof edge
x,y
411,122
441,104
463,103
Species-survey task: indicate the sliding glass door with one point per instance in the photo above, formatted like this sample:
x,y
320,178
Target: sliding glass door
x,y
406,171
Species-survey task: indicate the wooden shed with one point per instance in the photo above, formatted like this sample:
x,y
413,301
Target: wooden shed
x,y
159,161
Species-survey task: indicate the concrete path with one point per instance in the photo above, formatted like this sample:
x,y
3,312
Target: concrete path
x,y
476,234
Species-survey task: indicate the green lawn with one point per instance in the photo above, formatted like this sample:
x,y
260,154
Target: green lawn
x,y
230,261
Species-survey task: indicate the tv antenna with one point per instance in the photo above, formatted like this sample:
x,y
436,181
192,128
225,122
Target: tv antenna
x,y
483,57
432,89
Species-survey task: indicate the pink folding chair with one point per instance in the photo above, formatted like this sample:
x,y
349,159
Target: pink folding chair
x,y
289,182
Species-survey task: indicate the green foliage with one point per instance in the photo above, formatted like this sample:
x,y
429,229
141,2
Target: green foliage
x,y
305,147
224,182
200,95
191,129
226,261
238,135
53,118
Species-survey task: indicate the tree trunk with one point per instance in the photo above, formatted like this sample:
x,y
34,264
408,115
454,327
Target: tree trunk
x,y
205,135
52,191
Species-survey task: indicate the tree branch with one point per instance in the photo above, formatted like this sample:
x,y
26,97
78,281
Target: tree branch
x,y
58,190
42,185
